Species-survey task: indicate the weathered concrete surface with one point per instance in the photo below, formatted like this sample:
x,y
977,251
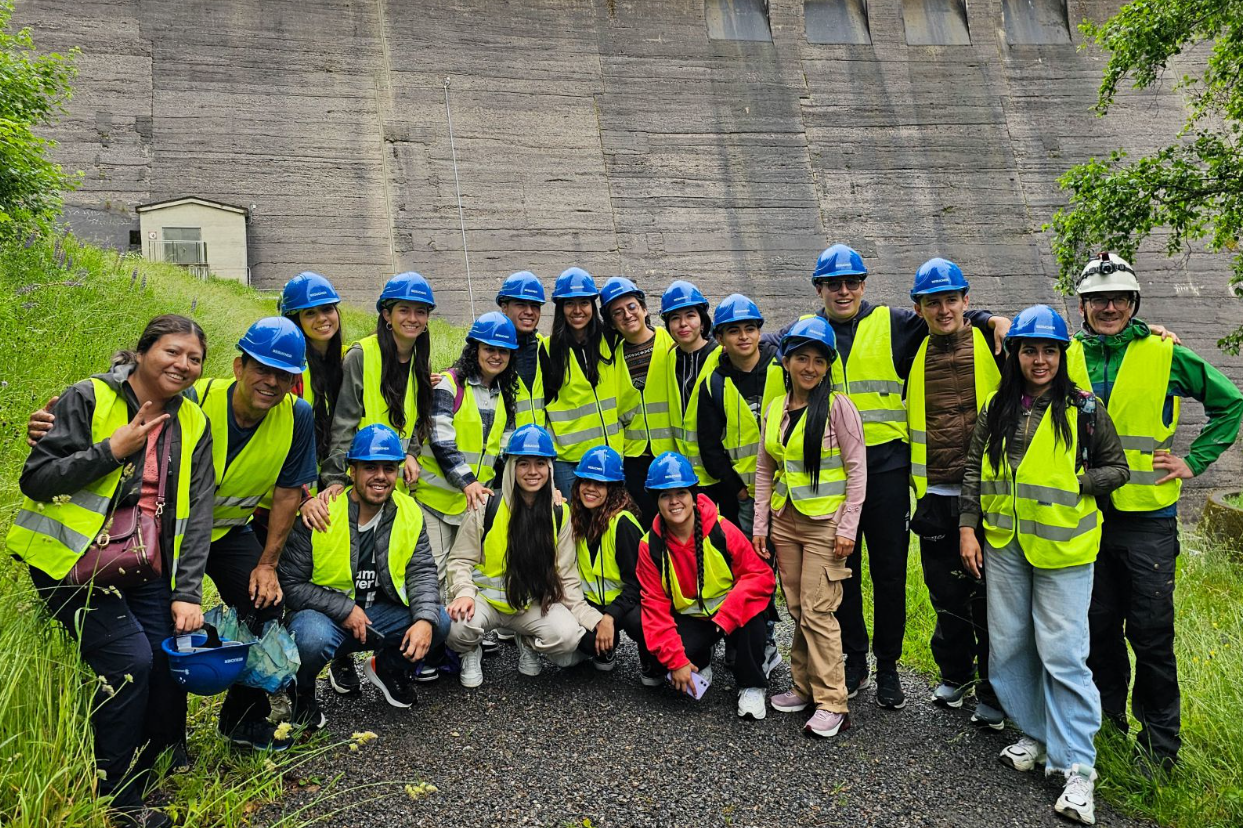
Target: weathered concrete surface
x,y
609,134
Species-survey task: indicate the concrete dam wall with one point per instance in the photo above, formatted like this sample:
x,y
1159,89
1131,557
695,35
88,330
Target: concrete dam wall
x,y
725,141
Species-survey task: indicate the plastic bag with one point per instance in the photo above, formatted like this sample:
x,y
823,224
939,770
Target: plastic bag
x,y
272,663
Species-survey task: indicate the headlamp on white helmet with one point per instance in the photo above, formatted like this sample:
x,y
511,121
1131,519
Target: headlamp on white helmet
x,y
1107,273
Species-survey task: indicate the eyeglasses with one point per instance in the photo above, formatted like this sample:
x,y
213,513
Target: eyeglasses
x,y
622,310
835,285
1099,303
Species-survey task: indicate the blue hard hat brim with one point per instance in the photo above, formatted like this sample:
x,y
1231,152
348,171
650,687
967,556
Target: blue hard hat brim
x,y
305,305
532,453
798,342
287,367
501,298
680,305
599,477
945,289
862,274
495,343
582,293
380,304
737,320
375,458
681,484
1059,340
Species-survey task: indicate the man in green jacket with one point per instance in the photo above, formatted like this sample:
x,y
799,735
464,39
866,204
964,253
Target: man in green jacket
x,y
1141,377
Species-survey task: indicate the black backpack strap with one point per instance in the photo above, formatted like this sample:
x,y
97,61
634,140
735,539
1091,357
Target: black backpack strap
x,y
558,519
656,548
1086,426
717,538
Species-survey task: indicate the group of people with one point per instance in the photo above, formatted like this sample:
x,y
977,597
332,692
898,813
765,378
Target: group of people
x,y
618,475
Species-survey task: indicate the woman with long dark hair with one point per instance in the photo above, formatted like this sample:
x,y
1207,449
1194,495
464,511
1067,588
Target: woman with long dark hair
x,y
310,301
810,482
513,565
1042,451
123,439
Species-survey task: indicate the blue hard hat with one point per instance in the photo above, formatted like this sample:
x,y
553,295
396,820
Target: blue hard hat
x,y
938,276
573,283
531,441
670,470
277,343
601,463
307,290
837,261
736,308
406,287
617,287
681,294
1039,322
524,286
811,329
210,665
377,442
495,329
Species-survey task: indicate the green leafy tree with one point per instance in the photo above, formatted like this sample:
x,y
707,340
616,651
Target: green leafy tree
x,y
1192,188
33,91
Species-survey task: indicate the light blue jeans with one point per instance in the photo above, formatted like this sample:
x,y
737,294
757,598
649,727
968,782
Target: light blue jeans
x,y
563,477
1038,653
319,638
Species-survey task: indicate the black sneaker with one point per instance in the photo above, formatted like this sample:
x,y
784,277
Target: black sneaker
x,y
343,676
260,735
307,713
395,685
605,663
142,817
889,693
856,677
179,761
490,646
651,674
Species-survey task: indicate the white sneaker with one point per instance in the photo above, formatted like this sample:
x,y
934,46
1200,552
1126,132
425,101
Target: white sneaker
x,y
1023,755
1076,799
528,659
472,668
751,703
772,658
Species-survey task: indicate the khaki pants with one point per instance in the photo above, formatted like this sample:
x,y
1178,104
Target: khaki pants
x,y
440,534
811,578
552,634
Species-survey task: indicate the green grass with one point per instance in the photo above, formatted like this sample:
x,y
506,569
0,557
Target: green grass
x,y
64,309
1235,500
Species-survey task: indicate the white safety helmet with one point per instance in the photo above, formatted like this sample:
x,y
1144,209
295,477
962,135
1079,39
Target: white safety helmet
x,y
1107,273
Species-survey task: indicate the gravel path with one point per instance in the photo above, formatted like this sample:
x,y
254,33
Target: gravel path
x,y
576,745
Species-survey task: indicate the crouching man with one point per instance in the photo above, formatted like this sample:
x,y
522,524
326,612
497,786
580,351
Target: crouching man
x,y
367,583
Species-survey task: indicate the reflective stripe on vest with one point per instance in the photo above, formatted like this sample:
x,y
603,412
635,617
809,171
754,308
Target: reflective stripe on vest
x,y
52,536
871,380
375,409
602,578
332,554
434,488
791,480
529,406
1057,527
987,378
741,439
684,415
489,574
245,482
717,576
648,425
584,416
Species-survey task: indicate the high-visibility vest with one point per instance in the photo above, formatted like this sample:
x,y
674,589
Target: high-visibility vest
x,y
684,414
791,481
718,574
1136,406
529,406
987,378
648,428
742,428
584,416
1056,526
52,536
489,574
332,557
602,578
871,380
434,488
247,483
375,409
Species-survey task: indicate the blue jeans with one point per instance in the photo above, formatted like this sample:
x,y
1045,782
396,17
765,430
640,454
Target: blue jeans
x,y
319,638
1038,653
563,477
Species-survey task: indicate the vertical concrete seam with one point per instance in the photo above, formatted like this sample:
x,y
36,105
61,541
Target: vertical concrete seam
x,y
604,161
382,108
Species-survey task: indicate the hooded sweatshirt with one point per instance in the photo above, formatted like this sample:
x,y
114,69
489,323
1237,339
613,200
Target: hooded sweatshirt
x,y
753,586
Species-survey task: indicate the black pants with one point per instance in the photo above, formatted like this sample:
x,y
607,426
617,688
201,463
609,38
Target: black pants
x,y
631,622
883,527
119,635
726,500
700,636
229,564
1133,597
635,469
960,640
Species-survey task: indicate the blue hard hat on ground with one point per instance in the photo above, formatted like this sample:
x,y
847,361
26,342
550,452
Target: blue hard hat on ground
x,y
681,294
617,287
276,342
574,283
531,441
494,328
812,329
670,470
938,276
307,290
377,442
601,463
838,261
210,665
736,308
407,287
1039,322
524,286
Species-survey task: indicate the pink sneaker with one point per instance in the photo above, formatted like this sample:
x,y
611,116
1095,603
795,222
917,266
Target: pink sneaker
x,y
826,723
788,702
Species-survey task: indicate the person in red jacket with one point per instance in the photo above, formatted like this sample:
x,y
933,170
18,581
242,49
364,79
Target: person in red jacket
x,y
701,581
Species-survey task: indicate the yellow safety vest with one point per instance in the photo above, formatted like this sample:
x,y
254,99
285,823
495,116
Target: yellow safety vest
x,y
718,575
647,417
52,536
742,429
987,378
791,481
871,380
1057,527
529,407
602,578
246,483
684,415
434,489
584,416
489,574
332,554
1136,406
375,409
